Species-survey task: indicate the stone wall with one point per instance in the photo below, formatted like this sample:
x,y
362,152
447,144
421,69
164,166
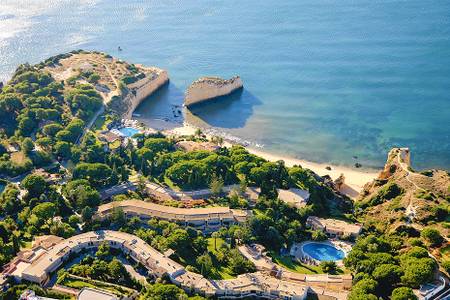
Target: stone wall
x,y
143,88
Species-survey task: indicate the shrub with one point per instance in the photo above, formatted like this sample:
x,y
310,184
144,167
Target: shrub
x,y
403,293
432,236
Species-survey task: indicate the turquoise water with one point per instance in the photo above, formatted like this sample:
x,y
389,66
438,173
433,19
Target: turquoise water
x,y
323,252
324,80
128,131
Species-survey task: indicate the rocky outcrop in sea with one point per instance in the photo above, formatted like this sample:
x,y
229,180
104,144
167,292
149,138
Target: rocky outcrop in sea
x,y
207,88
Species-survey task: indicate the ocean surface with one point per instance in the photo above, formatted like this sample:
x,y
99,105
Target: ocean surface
x,y
324,80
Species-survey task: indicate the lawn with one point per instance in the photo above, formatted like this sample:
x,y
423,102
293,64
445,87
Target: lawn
x,y
294,266
218,271
211,248
79,284
291,265
101,123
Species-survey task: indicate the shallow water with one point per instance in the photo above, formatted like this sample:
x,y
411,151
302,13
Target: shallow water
x,y
324,80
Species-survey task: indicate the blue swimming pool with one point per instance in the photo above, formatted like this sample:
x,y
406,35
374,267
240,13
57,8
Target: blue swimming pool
x,y
128,131
323,252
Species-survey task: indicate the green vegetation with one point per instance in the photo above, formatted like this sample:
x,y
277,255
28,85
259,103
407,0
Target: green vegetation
x,y
43,125
160,291
389,192
294,266
380,267
432,236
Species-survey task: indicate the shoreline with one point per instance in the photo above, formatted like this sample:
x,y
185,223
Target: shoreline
x,y
355,179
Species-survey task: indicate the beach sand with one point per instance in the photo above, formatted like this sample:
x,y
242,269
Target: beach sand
x,y
355,179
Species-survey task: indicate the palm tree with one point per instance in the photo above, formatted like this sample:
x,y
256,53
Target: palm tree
x,y
198,132
215,235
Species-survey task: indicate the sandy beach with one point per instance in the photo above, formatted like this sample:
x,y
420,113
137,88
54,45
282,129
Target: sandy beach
x,y
354,178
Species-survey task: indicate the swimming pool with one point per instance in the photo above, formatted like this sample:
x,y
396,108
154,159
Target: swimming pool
x,y
128,131
321,252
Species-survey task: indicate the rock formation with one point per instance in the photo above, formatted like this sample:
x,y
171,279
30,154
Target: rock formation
x,y
141,89
207,88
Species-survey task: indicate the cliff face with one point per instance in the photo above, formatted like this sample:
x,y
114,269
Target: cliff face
x,y
402,197
141,89
207,88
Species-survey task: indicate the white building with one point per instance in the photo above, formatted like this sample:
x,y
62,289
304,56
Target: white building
x,y
205,219
333,227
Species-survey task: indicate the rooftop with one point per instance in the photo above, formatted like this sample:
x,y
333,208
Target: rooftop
x,y
40,267
297,197
334,225
143,207
93,294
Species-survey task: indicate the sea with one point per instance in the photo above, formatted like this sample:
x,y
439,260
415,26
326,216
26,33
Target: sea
x,y
327,81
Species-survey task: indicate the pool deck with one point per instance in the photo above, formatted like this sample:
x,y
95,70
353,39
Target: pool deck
x,y
297,249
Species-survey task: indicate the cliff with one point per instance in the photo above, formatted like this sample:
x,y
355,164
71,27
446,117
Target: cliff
x,y
122,85
207,88
402,197
141,89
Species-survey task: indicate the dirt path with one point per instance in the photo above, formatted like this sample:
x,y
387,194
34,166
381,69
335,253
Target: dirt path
x,y
410,209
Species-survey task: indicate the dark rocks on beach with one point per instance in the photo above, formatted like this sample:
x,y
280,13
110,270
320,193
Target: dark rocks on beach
x,y
358,165
328,168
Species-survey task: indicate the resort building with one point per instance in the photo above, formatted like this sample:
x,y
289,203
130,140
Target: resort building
x,y
40,262
333,227
47,261
206,219
295,197
258,284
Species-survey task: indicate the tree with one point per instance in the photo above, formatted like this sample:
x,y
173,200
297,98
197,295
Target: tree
x,y
81,194
446,265
86,213
52,129
417,271
34,184
63,149
318,235
178,239
159,291
103,251
215,235
27,145
118,217
363,290
403,293
198,132
44,210
329,267
432,236
97,174
387,275
74,220
216,185
239,264
205,263
44,142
